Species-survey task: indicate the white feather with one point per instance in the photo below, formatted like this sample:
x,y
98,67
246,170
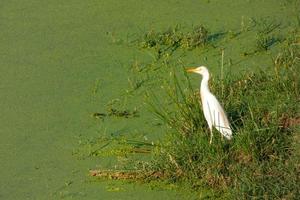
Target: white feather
x,y
213,111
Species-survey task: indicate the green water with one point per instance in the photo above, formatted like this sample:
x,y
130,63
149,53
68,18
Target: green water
x,y
51,56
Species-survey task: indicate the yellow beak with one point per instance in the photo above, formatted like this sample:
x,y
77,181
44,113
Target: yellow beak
x,y
191,70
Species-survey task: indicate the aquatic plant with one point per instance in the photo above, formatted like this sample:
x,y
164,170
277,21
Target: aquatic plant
x,y
197,38
263,37
116,113
166,42
265,25
264,42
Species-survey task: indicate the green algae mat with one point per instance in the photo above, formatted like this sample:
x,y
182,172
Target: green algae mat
x,y
65,68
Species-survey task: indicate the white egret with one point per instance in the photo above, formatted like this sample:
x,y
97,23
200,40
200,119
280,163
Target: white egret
x,y
213,111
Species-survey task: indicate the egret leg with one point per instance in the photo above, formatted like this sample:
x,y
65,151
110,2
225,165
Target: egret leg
x,y
211,136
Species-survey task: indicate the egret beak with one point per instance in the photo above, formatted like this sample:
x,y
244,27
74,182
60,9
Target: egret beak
x,y
191,70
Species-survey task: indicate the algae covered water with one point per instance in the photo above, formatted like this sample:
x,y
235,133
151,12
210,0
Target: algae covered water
x,y
60,62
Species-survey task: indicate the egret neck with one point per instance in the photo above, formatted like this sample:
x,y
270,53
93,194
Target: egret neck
x,y
204,84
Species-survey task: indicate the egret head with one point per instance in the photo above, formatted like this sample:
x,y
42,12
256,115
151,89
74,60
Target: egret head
x,y
200,70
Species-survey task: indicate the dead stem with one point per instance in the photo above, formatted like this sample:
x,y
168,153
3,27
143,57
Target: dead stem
x,y
126,175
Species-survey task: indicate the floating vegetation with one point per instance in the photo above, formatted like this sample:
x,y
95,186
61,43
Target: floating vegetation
x,y
169,38
166,42
265,25
264,42
99,115
122,113
116,145
127,174
112,112
263,38
197,38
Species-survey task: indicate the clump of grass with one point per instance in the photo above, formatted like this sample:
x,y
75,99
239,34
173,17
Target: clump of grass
x,y
259,162
290,55
166,42
197,38
263,28
175,37
169,38
265,25
264,42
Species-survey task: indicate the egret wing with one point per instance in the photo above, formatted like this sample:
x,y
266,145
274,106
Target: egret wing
x,y
217,116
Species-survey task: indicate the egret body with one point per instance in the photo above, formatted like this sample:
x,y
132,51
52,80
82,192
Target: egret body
x,y
213,111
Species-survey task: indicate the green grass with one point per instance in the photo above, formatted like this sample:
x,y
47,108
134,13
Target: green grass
x,y
262,160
